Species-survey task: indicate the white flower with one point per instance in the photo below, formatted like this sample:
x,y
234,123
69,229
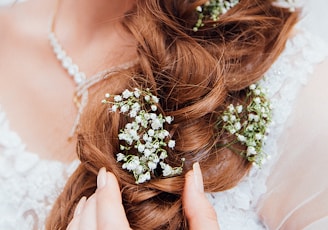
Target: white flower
x,y
167,169
163,155
252,87
239,108
231,108
120,156
147,152
237,126
114,108
125,108
147,98
136,106
136,93
107,95
241,138
143,178
155,99
258,136
141,148
156,124
117,98
127,93
153,108
133,113
171,144
138,119
251,151
257,92
168,119
151,132
152,165
225,118
257,100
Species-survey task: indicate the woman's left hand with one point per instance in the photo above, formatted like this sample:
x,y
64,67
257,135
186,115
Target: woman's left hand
x,y
103,210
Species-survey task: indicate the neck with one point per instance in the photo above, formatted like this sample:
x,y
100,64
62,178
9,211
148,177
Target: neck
x,y
85,18
92,33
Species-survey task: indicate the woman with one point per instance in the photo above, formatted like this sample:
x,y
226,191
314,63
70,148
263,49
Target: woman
x,y
156,41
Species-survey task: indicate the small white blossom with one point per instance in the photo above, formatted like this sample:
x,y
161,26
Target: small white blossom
x,y
120,156
153,108
237,126
125,108
126,94
141,148
251,151
171,144
152,165
151,132
252,87
117,98
155,99
114,108
257,100
147,98
168,119
241,138
239,108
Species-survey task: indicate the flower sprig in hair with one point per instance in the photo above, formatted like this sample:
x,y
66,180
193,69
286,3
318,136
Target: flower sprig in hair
x,y
212,10
249,124
144,135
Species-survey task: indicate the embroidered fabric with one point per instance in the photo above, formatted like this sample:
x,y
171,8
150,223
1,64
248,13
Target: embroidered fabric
x,y
237,207
29,185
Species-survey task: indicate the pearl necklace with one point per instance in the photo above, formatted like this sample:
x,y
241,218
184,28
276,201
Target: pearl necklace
x,y
66,61
80,98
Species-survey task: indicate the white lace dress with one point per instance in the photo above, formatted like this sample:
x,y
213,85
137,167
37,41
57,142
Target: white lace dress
x,y
29,185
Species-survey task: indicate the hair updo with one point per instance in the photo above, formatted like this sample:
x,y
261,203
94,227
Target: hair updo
x,y
195,75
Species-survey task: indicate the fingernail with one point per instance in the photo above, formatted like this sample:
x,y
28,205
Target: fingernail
x,y
80,206
198,177
102,178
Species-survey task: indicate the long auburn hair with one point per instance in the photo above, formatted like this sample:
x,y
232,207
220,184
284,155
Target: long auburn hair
x,y
195,75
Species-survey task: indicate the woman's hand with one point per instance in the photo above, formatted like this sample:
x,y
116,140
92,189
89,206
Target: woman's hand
x,y
199,212
104,209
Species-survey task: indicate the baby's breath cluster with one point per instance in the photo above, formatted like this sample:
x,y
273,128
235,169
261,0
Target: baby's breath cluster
x,y
250,124
212,10
145,135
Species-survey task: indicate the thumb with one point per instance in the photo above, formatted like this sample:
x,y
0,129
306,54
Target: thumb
x,y
199,212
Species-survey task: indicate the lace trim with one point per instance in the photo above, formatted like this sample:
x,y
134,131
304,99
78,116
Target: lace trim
x,y
29,185
236,208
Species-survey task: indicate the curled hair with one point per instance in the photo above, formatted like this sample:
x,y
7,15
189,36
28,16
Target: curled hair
x,y
195,75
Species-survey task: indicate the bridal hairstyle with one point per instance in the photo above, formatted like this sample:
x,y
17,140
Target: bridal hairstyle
x,y
195,75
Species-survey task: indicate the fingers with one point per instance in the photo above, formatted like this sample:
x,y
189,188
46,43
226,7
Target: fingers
x,y
103,210
199,212
110,211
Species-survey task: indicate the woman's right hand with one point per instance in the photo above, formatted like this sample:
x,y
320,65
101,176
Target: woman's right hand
x,y
104,209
